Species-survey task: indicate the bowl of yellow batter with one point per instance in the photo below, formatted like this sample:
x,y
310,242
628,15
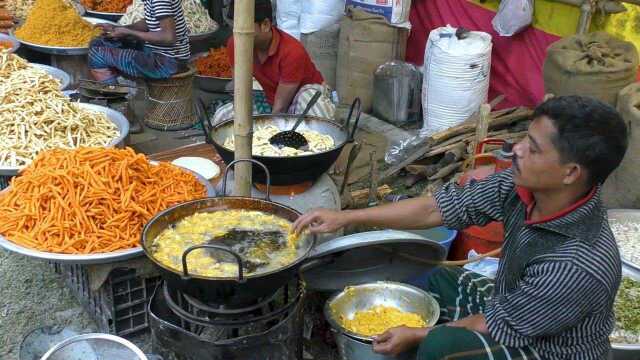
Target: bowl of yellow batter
x,y
365,311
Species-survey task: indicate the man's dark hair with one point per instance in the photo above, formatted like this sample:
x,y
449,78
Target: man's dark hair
x,y
263,10
589,132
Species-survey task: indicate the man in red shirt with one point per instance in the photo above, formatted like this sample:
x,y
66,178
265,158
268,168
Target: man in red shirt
x,y
284,70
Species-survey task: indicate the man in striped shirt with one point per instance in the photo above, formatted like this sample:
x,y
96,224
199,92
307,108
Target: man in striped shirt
x,y
560,269
155,47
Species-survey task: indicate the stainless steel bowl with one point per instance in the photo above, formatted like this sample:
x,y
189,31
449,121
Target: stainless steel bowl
x,y
15,44
626,351
208,83
362,297
62,50
62,76
94,347
407,298
622,216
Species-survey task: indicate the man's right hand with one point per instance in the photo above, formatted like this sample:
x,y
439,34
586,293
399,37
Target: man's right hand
x,y
321,221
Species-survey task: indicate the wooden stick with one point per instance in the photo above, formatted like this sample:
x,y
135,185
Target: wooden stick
x,y
446,171
482,126
363,195
243,33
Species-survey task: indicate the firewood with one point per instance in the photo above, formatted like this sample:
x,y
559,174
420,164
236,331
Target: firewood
x,y
445,171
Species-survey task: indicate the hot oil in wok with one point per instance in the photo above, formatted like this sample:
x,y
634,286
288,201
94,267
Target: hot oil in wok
x,y
263,241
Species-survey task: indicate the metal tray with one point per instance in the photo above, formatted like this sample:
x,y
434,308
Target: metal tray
x,y
117,118
15,43
62,76
208,83
102,258
626,351
622,216
104,15
61,50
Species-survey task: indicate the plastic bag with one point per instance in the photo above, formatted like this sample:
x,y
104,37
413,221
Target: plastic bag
x,y
513,16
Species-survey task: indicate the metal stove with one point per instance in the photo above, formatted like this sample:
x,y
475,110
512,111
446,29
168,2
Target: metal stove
x,y
185,328
117,100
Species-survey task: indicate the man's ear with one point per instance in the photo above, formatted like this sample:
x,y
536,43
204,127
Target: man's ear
x,y
573,173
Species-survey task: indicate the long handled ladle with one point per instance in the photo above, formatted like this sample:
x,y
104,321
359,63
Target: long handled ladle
x,y
292,138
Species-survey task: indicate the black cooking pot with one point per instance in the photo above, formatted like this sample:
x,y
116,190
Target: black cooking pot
x,y
290,170
233,291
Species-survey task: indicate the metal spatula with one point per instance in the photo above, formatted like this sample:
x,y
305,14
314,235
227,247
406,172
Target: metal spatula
x,y
292,138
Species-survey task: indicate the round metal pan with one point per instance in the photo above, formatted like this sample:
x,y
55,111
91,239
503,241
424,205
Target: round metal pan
x,y
62,50
56,73
101,258
289,170
114,116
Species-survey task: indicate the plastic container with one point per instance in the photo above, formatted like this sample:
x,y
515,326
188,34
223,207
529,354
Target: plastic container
x,y
120,305
487,238
440,234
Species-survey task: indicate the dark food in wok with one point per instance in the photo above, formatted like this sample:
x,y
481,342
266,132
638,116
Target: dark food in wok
x,y
264,241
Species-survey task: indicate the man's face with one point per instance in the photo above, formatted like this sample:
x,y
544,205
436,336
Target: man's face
x,y
537,164
263,34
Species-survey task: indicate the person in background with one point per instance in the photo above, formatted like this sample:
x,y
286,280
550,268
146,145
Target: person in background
x,y
553,295
155,47
283,68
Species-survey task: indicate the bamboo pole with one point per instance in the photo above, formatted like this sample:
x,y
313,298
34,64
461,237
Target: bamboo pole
x,y
243,35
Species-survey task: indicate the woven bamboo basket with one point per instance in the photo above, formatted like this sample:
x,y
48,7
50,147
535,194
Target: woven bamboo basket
x,y
170,102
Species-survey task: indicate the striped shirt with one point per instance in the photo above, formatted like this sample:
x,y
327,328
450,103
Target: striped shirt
x,y
154,11
557,280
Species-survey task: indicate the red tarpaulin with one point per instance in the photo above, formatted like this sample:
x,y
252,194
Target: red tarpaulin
x,y
516,63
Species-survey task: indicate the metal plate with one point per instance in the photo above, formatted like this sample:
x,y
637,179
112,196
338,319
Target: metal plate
x,y
386,255
622,216
15,43
61,50
56,73
117,118
102,258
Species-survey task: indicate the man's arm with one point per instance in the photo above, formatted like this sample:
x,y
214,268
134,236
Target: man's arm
x,y
418,213
457,207
284,95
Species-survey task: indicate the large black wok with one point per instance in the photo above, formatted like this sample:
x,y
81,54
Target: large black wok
x,y
239,290
292,169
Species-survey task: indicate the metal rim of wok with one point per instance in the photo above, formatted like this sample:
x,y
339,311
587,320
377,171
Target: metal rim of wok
x,y
115,117
89,259
146,241
341,129
329,314
64,50
56,73
15,43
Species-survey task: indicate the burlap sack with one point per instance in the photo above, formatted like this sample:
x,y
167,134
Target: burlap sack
x,y
622,188
322,47
366,42
594,64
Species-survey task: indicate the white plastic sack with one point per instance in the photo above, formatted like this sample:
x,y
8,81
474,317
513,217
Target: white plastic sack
x,y
455,77
513,16
288,16
320,14
395,11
